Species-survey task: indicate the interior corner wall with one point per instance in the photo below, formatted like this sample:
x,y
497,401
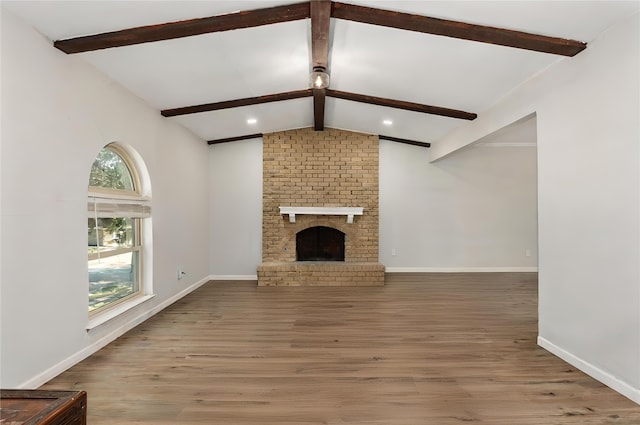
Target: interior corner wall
x,y
57,114
235,176
589,218
473,211
588,127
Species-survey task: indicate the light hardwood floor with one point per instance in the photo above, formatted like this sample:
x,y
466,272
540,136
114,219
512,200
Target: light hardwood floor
x,y
424,349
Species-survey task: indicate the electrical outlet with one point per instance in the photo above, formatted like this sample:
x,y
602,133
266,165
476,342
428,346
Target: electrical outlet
x,y
181,273
393,251
527,252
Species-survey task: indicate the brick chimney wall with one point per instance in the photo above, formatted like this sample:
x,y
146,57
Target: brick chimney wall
x,y
330,168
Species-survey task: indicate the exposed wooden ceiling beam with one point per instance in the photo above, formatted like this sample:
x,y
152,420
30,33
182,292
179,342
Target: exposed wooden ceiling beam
x,y
235,139
170,30
227,104
405,141
258,135
456,29
292,12
319,96
320,11
399,104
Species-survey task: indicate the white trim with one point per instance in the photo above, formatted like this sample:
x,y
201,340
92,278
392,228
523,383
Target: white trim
x,y
116,311
506,145
106,196
118,207
114,252
234,277
595,372
348,211
461,269
57,369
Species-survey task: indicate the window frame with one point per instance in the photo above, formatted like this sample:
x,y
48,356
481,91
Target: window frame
x,y
103,195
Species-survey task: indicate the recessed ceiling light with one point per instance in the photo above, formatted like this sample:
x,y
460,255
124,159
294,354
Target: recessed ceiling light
x,y
387,122
252,121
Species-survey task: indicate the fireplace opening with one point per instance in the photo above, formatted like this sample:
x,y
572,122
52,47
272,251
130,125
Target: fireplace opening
x,y
320,243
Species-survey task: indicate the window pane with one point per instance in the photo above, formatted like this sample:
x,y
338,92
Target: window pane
x,y
112,278
111,234
109,170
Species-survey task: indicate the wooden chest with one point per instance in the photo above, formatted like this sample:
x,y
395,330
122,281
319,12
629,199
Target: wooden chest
x,y
37,407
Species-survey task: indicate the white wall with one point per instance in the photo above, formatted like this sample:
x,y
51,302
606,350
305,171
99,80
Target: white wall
x,y
235,173
474,211
588,112
57,113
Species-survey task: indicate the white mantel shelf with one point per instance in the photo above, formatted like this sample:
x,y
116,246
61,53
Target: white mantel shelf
x,y
348,211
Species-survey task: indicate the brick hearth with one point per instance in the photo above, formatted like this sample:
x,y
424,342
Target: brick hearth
x,y
331,168
321,273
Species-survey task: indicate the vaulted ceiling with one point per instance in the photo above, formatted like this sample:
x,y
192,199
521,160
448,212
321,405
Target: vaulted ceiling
x,y
407,70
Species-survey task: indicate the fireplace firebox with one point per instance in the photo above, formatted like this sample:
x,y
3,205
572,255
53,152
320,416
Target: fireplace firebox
x,y
320,243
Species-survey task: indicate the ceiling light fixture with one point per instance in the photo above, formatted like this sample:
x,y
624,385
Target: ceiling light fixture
x,y
387,122
319,78
252,121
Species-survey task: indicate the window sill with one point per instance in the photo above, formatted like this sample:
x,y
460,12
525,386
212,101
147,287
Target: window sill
x,y
116,311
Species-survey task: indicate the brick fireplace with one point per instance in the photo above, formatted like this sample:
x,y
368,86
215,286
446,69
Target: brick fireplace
x,y
320,179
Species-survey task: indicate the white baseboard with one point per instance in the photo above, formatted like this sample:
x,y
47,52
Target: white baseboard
x,y
461,269
234,277
57,369
609,380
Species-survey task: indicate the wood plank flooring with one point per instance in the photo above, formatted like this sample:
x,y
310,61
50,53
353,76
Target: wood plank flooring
x,y
424,349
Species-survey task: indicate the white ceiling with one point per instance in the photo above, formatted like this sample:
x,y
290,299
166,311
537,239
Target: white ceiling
x,y
364,59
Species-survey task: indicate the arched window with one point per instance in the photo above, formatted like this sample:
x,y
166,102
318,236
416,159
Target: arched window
x,y
116,213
